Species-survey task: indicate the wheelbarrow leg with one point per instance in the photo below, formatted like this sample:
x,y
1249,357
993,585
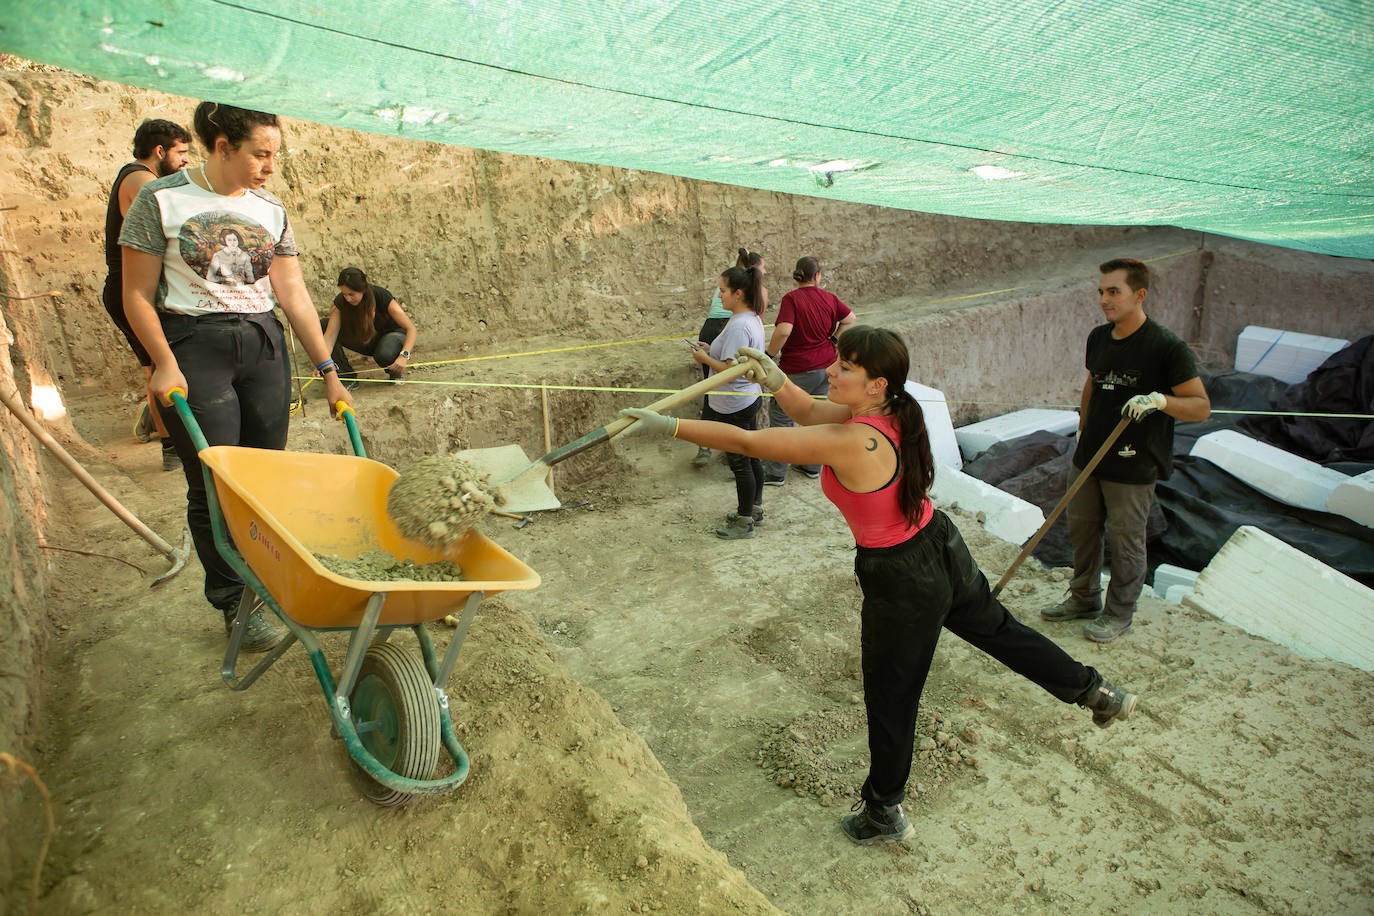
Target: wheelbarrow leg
x,y
249,603
357,646
456,644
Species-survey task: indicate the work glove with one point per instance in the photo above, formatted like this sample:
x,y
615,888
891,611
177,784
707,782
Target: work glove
x,y
773,378
648,423
1142,405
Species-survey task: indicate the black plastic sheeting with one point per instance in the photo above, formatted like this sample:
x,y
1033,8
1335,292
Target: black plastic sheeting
x,y
1200,506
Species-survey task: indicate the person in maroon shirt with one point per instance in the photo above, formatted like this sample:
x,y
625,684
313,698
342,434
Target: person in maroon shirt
x,y
809,322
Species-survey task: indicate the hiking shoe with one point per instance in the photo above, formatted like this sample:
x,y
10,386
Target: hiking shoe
x,y
144,427
171,461
1108,702
1072,608
703,457
807,471
736,529
1106,628
771,481
262,634
757,515
876,824
397,375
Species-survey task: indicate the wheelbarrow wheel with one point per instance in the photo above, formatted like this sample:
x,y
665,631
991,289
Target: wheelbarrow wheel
x,y
394,709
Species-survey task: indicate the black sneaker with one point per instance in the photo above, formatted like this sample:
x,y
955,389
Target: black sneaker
x,y
350,384
1108,702
876,824
771,481
807,471
262,634
171,461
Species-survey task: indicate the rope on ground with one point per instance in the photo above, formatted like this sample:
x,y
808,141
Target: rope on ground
x,y
17,765
1013,404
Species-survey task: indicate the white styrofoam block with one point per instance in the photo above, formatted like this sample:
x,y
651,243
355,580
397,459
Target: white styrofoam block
x,y
1167,576
1268,588
979,437
1282,475
1285,355
943,446
1174,594
1354,498
1007,517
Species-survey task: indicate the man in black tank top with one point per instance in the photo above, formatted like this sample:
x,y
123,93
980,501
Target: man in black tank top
x,y
160,148
1138,369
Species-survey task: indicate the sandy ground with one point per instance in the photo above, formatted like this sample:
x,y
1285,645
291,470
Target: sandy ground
x,y
661,682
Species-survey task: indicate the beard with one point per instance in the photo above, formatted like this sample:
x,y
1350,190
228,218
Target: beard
x,y
165,168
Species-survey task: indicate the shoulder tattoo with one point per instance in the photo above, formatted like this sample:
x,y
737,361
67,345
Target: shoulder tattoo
x,y
872,444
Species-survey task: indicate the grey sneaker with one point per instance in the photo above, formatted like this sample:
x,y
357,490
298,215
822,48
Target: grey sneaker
x,y
876,824
262,634
1071,608
774,481
703,457
1106,628
807,471
736,529
757,514
171,461
1108,702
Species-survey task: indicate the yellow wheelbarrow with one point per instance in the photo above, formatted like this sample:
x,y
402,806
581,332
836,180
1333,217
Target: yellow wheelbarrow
x,y
272,511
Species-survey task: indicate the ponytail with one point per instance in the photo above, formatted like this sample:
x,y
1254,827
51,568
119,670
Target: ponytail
x,y
749,280
882,354
918,464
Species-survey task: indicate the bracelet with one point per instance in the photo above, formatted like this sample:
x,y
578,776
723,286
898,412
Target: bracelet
x,y
326,366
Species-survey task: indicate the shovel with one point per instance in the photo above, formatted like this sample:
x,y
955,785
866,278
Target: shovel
x,y
175,555
519,484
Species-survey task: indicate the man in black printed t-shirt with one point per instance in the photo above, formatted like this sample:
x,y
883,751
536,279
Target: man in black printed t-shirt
x,y
1132,362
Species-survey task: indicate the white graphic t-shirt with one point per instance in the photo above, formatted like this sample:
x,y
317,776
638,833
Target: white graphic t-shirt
x,y
216,250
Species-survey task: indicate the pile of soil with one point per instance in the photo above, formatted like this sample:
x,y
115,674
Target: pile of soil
x,y
380,566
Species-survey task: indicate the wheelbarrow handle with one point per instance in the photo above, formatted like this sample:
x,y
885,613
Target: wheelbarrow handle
x,y
345,413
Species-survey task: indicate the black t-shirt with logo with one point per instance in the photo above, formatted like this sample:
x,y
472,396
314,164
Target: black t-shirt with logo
x,y
1151,359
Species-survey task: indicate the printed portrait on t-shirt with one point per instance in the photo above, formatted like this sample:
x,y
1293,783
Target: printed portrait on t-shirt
x,y
226,249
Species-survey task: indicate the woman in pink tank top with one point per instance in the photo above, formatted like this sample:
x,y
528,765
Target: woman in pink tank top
x,y
916,573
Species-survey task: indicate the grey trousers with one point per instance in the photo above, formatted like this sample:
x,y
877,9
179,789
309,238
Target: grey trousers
x,y
813,382
1122,509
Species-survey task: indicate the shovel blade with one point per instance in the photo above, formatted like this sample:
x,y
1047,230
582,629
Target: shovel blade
x,y
504,463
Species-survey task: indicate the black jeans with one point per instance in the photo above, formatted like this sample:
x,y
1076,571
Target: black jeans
x,y
910,591
748,471
382,348
239,388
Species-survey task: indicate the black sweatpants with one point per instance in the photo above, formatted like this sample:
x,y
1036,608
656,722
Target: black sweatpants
x,y
910,591
748,471
239,389
383,348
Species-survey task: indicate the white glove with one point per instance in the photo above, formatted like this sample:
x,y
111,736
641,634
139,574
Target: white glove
x,y
647,423
1142,405
773,377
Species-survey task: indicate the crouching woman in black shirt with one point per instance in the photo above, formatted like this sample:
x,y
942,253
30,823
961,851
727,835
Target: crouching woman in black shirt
x,y
367,319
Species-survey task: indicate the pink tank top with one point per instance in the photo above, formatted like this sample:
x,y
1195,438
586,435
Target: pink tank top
x,y
875,518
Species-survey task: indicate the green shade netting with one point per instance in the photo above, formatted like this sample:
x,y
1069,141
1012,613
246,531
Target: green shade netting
x,y
1249,119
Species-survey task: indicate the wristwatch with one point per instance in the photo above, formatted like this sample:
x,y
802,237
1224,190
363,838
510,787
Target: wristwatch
x,y
406,354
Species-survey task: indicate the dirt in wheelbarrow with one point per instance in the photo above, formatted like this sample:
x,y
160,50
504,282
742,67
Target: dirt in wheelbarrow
x,y
672,723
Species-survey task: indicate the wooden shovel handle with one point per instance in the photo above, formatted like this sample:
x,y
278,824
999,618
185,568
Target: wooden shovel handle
x,y
690,393
1077,485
